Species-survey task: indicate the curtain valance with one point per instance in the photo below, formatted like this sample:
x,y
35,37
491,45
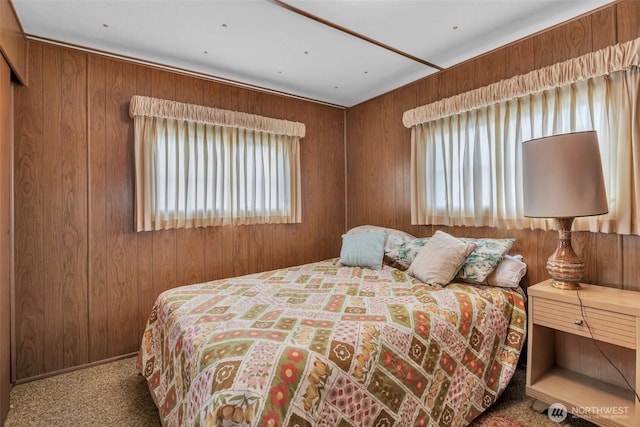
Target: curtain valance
x,y
197,166
599,63
153,107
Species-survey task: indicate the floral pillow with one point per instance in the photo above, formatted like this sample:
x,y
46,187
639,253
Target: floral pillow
x,y
403,255
484,259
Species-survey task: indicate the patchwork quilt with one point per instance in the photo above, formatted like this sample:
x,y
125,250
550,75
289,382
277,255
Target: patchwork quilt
x,y
326,345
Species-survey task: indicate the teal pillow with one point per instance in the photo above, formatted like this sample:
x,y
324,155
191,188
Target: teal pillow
x,y
363,249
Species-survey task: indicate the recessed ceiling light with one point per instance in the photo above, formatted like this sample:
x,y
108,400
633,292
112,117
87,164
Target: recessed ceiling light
x,y
105,25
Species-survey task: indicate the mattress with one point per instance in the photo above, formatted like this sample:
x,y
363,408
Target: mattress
x,y
324,344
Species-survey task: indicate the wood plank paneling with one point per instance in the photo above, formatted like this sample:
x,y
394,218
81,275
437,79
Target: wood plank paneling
x,y
386,177
543,53
84,280
630,264
465,75
610,260
584,244
5,238
330,223
573,39
29,294
52,203
627,27
74,209
122,291
607,257
97,207
489,69
603,28
213,248
520,59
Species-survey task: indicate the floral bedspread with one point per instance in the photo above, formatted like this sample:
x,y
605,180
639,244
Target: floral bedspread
x,y
323,344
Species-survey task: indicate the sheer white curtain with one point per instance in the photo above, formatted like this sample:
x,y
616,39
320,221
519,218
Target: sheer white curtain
x,y
198,167
467,167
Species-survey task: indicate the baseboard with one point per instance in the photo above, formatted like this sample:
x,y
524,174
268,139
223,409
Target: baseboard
x,y
74,368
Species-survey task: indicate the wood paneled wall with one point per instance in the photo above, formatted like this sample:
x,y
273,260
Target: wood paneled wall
x,y
84,280
379,148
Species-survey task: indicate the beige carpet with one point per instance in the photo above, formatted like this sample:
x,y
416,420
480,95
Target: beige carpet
x,y
115,395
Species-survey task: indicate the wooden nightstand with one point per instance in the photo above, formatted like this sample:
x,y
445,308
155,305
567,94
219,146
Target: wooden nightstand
x,y
563,364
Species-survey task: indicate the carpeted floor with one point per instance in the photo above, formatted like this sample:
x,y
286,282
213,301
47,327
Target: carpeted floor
x,y
115,395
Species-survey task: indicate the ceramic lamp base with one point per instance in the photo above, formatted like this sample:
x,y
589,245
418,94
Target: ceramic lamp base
x,y
564,266
565,285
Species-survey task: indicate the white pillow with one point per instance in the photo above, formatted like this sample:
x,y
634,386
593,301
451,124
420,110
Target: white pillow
x,y
440,259
508,273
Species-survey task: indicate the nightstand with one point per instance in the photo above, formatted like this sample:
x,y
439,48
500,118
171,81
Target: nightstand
x,y
564,365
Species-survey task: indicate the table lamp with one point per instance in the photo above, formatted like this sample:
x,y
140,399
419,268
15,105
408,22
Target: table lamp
x,y
562,179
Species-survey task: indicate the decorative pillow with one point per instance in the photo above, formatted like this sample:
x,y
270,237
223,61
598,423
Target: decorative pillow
x,y
484,259
394,238
508,273
404,254
363,249
440,259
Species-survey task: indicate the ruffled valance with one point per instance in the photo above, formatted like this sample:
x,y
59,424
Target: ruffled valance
x,y
153,107
602,62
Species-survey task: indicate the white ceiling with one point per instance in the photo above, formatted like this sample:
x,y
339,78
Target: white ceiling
x,y
261,43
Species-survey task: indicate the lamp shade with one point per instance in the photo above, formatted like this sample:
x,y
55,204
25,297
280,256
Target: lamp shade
x,y
562,176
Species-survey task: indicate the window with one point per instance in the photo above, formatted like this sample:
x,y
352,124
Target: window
x,y
466,164
472,160
190,173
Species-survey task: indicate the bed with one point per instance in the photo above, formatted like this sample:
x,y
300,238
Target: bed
x,y
330,344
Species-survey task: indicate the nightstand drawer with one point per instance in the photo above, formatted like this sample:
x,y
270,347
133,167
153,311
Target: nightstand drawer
x,y
607,326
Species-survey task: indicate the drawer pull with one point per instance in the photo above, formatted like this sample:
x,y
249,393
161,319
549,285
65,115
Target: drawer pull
x,y
578,322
